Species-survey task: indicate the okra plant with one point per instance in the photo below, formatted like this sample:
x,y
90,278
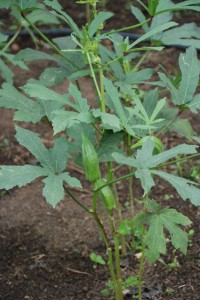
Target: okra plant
x,y
127,126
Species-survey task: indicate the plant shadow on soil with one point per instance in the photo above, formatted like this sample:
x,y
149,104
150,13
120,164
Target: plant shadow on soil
x,y
44,253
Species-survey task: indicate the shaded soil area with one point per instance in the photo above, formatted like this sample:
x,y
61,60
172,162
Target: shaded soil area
x,y
44,252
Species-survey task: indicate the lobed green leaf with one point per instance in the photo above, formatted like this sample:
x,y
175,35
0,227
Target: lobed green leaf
x,y
184,187
11,176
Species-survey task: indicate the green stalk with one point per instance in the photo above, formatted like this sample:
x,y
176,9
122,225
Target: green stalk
x,y
97,129
96,218
133,173
141,267
109,171
88,14
114,60
170,122
109,250
116,242
140,61
130,180
103,5
93,76
12,39
117,258
118,206
116,180
53,46
76,200
103,104
34,38
112,273
102,230
119,217
179,167
129,27
121,55
131,199
177,160
94,10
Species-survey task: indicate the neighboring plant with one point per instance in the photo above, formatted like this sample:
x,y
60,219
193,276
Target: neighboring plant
x,y
97,259
40,15
194,173
126,127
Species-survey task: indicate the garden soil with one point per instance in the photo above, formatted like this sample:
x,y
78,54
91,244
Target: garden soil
x,y
44,252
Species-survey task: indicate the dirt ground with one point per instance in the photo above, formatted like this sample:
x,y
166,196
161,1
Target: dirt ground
x,y
44,252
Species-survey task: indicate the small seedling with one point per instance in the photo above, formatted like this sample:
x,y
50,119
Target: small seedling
x,y
97,259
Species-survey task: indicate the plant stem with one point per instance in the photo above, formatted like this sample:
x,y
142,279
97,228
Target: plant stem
x,y
179,167
119,217
96,218
116,242
114,60
115,280
104,2
112,273
129,27
140,61
115,180
88,15
130,179
170,122
76,200
118,291
102,230
53,46
34,38
102,99
177,160
12,39
133,173
141,267
131,199
93,76
121,55
118,206
97,129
